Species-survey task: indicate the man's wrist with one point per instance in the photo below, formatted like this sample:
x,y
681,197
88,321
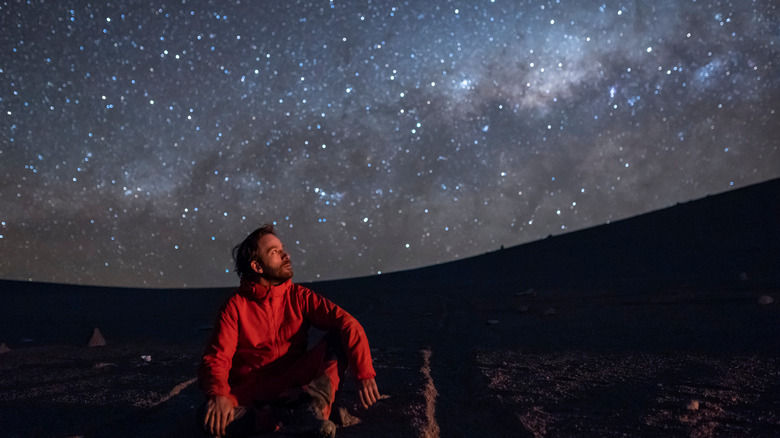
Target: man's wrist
x,y
229,397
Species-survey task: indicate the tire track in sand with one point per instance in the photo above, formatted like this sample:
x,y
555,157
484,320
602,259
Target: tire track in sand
x,y
431,427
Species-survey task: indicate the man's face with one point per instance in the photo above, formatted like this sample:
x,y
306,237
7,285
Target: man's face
x,y
273,262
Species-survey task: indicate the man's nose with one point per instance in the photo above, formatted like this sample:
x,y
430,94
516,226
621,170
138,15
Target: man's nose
x,y
285,256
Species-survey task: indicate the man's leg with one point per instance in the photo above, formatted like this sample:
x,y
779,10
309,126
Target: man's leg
x,y
329,363
317,375
301,393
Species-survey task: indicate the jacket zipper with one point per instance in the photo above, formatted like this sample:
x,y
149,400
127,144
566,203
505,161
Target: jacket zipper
x,y
274,327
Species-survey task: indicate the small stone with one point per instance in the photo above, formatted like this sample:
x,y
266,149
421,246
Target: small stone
x,y
550,311
492,321
97,339
530,291
4,348
103,365
765,299
693,405
523,309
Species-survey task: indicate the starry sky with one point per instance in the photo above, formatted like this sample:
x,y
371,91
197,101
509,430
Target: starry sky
x,y
141,141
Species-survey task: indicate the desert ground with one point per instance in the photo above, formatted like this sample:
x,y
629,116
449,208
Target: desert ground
x,y
665,324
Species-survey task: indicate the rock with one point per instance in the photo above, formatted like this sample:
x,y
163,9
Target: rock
x,y
523,309
97,339
693,405
530,291
4,348
550,311
765,299
492,321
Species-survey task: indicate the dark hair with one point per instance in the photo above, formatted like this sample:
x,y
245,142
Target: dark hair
x,y
245,252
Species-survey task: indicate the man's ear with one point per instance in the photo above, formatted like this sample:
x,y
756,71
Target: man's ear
x,y
256,267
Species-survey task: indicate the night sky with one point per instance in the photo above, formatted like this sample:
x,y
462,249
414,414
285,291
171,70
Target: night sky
x,y
142,141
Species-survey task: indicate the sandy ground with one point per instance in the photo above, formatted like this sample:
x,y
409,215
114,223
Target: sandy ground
x,y
453,365
113,391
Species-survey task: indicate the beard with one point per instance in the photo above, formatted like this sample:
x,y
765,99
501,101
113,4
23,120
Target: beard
x,y
278,274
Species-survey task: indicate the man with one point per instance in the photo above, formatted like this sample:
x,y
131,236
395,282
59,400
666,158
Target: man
x,y
257,373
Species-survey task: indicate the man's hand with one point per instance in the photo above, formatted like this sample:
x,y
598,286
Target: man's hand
x,y
369,393
219,413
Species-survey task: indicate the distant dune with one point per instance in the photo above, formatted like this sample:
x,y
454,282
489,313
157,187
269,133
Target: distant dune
x,y
711,240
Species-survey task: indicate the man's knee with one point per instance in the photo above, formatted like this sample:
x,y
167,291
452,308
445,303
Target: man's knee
x,y
320,392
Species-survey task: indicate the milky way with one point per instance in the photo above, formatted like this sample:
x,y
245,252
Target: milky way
x,y
141,141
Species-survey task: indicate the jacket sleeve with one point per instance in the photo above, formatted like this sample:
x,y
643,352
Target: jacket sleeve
x,y
325,315
218,355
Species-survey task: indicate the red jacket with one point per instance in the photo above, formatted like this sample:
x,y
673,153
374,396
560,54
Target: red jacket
x,y
262,325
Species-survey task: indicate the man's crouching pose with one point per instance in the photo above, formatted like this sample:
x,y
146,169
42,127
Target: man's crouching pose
x,y
257,372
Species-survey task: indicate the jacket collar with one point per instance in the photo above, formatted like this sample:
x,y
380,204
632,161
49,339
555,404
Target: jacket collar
x,y
260,292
